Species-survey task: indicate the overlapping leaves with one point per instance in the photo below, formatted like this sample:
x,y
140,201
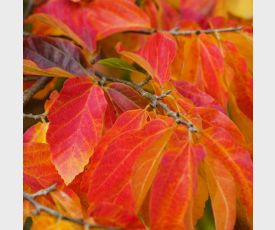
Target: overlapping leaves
x,y
117,161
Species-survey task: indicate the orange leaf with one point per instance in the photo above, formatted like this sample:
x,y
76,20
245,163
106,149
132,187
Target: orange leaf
x,y
221,146
30,68
202,64
68,203
222,191
52,98
76,121
108,18
146,168
243,122
39,172
36,133
46,222
200,199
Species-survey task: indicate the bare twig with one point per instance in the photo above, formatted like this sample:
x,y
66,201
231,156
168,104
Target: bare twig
x,y
30,78
39,84
177,32
154,99
41,208
145,81
35,116
44,192
28,8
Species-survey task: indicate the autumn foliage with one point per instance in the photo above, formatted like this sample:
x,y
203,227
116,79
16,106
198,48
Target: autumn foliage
x,y
147,114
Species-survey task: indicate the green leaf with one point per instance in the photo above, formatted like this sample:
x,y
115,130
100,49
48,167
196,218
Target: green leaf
x,y
27,224
207,221
117,63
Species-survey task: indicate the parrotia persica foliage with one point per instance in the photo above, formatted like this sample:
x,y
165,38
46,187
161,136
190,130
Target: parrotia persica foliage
x,y
148,113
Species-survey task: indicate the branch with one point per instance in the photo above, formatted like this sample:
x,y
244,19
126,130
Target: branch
x,y
35,116
39,208
30,78
28,8
154,99
39,84
176,32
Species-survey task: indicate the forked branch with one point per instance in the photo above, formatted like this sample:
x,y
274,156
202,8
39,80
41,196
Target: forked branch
x,y
154,99
41,208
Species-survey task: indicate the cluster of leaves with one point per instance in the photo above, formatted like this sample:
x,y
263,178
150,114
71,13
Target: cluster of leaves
x,y
154,117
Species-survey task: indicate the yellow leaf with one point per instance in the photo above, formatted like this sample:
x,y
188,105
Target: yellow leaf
x,y
240,8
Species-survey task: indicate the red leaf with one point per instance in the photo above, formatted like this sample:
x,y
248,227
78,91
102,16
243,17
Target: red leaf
x,y
198,97
109,214
214,118
126,122
111,180
173,187
196,10
47,25
108,18
155,56
74,15
241,83
125,98
160,51
76,121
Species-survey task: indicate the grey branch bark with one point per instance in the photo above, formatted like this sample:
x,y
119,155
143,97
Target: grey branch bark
x,y
35,116
177,32
154,99
41,208
39,84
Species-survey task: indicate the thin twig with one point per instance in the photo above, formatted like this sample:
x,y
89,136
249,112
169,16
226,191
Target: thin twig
x,y
35,116
30,78
44,192
177,32
39,84
28,8
39,208
145,81
154,99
